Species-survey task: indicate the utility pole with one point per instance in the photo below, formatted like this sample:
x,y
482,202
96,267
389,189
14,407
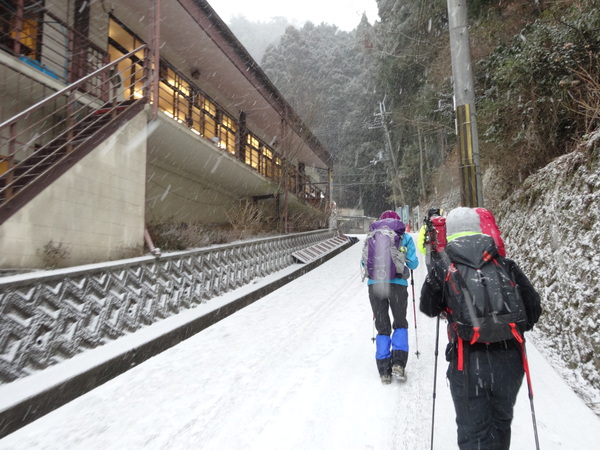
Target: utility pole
x,y
464,104
396,179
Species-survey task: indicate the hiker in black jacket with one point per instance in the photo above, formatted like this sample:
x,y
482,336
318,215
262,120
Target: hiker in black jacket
x,y
484,377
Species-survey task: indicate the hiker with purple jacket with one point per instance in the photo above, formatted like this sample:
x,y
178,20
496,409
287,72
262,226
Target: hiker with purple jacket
x,y
388,257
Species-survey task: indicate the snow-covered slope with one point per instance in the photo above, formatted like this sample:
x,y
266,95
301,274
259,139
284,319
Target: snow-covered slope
x,y
551,227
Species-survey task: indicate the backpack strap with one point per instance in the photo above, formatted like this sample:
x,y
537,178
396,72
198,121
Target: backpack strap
x,y
460,288
460,353
462,363
475,335
503,292
515,333
514,330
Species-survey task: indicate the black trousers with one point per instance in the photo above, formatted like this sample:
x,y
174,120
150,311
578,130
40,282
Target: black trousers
x,y
484,396
390,350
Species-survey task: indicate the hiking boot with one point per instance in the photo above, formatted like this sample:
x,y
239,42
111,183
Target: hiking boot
x,y
386,379
398,373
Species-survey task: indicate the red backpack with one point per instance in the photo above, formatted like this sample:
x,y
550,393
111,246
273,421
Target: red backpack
x,y
439,225
489,227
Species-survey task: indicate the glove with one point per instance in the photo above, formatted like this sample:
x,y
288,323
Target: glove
x,y
399,258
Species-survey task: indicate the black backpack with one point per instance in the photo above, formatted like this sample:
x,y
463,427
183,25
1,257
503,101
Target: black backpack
x,y
485,303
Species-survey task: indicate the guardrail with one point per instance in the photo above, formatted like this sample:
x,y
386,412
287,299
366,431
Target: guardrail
x,y
51,316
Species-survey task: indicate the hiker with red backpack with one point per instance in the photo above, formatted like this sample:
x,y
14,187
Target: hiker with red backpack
x,y
489,303
389,255
432,235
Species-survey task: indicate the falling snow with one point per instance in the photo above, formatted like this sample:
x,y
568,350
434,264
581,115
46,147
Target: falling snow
x,y
295,370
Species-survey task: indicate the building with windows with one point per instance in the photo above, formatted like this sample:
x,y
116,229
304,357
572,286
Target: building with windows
x,y
117,113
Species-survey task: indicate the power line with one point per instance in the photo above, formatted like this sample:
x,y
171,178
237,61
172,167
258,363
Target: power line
x,y
358,184
358,174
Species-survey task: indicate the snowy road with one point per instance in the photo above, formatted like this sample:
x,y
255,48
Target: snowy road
x,y
295,370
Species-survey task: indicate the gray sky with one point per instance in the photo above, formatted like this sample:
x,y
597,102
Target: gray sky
x,y
345,14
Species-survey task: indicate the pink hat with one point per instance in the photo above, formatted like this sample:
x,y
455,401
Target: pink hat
x,y
389,215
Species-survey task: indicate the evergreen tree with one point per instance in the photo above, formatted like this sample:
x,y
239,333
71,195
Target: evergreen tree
x,y
257,36
329,77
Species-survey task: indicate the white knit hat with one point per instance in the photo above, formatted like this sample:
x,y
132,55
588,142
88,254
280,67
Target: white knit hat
x,y
462,219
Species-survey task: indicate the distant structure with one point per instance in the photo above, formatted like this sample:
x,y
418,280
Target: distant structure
x,y
353,221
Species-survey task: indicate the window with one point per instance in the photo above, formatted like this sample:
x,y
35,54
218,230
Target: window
x,y
278,168
181,100
227,133
267,160
252,151
209,119
129,73
21,31
262,159
29,37
174,95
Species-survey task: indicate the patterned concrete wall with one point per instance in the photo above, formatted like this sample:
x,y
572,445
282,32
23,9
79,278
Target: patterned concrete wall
x,y
47,318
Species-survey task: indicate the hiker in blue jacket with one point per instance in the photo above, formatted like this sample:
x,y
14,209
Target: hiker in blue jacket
x,y
484,376
390,291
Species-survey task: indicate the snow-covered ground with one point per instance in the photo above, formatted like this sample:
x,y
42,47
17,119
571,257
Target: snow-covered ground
x,y
296,370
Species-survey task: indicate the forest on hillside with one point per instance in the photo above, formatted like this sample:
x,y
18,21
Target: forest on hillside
x,y
258,36
380,98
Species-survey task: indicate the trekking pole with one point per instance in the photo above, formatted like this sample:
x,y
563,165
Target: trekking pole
x,y
373,338
412,282
530,392
437,342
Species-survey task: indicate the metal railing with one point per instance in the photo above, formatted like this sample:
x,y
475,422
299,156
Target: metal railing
x,y
43,40
41,137
54,315
187,104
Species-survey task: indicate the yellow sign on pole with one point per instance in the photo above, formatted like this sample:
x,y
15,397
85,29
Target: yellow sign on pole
x,y
467,164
